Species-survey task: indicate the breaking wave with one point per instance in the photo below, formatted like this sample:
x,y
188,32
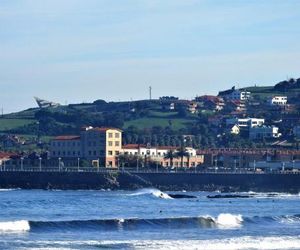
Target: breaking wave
x,y
153,191
14,226
222,221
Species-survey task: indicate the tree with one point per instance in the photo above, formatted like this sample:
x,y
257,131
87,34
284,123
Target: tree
x,y
181,154
170,155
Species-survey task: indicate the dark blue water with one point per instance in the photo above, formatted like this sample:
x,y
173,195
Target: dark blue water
x,y
37,219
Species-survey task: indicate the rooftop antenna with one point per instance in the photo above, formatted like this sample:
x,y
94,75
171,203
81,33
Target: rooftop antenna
x,y
150,93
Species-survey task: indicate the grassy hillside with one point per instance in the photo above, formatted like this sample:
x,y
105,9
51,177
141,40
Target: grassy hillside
x,y
268,91
150,122
8,124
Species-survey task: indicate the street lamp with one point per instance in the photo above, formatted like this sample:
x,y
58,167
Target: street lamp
x,y
40,159
59,159
293,164
283,166
78,162
216,164
22,158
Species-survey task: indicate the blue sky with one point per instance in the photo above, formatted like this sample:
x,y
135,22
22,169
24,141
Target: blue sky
x,y
72,51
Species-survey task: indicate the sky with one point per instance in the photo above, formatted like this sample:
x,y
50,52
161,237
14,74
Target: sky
x,y
73,51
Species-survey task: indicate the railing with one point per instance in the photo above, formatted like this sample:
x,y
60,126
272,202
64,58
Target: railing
x,y
140,170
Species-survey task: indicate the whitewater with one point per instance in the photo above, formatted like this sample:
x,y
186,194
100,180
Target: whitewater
x,y
147,219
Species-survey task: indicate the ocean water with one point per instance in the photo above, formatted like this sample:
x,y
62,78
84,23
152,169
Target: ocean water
x,y
147,219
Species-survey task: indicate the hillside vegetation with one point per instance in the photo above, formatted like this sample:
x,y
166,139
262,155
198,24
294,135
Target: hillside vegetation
x,y
143,121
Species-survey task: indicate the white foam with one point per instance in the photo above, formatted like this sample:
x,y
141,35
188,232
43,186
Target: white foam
x,y
8,189
153,191
14,226
237,243
229,220
160,194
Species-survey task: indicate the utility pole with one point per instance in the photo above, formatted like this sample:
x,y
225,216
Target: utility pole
x,y
150,92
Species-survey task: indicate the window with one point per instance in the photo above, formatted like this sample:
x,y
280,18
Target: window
x,y
117,143
95,153
117,135
110,143
90,152
53,143
53,152
94,143
117,152
110,152
110,135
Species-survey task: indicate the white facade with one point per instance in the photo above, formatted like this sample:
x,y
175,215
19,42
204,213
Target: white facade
x,y
235,130
245,122
278,100
238,95
158,155
264,132
154,152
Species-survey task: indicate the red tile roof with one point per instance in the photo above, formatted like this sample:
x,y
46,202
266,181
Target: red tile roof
x,y
6,155
132,146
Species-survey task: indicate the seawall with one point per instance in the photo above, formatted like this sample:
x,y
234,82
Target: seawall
x,y
162,180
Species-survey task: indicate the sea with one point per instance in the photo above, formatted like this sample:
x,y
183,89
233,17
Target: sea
x,y
147,219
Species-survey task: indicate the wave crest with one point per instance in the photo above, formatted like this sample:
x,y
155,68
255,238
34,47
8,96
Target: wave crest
x,y
153,191
14,226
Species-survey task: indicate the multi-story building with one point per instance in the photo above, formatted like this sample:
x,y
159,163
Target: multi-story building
x,y
235,94
158,154
260,132
99,145
245,122
215,103
278,100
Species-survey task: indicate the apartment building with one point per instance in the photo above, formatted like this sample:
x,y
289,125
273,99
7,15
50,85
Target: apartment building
x,y
98,145
235,94
278,100
159,153
261,132
245,122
